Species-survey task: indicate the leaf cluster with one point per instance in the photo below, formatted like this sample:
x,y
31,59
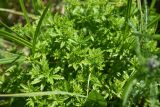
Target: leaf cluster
x,y
96,54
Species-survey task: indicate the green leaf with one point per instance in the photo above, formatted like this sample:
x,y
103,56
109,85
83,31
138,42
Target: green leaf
x,y
95,100
156,37
37,80
25,12
153,21
8,27
57,77
15,38
127,91
33,94
11,60
39,26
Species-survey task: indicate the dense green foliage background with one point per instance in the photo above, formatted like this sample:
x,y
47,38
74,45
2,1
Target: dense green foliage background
x,y
102,50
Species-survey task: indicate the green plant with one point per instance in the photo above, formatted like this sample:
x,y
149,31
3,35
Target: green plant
x,y
96,54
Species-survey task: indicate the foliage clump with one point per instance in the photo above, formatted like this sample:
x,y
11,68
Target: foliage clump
x,y
98,49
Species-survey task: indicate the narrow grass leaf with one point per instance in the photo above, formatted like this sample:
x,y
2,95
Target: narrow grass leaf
x,y
153,94
11,60
128,9
145,15
153,21
127,16
128,88
156,37
38,26
8,28
127,91
88,81
33,94
25,12
15,38
36,5
152,4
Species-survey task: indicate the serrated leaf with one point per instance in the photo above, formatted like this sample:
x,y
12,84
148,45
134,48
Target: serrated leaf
x,y
37,80
24,86
62,44
57,77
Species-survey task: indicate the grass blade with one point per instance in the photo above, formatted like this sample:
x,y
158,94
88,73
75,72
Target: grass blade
x,y
8,28
88,81
25,12
152,4
15,38
128,10
38,26
11,60
127,91
128,88
127,15
153,21
145,16
153,94
33,94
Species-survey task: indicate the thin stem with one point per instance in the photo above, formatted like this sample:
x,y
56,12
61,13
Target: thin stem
x,y
17,12
89,76
145,15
